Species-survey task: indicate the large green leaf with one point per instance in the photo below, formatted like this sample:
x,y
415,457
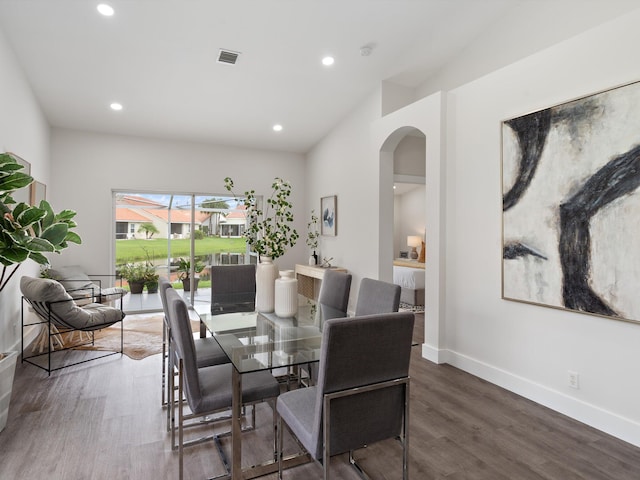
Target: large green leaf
x,y
39,245
73,237
15,254
15,181
29,216
55,233
65,215
48,219
39,258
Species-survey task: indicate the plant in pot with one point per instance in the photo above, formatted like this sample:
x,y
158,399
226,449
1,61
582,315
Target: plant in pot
x,y
150,276
27,232
269,233
184,267
134,274
151,279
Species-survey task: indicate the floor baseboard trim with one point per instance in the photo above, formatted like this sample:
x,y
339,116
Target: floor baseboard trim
x,y
589,414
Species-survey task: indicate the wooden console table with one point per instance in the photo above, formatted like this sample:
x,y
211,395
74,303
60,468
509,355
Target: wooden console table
x,y
310,278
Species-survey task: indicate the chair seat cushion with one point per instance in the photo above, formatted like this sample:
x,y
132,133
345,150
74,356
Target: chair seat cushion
x,y
216,386
209,353
297,409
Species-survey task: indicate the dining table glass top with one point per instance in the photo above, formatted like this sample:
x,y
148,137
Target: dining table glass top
x,y
256,341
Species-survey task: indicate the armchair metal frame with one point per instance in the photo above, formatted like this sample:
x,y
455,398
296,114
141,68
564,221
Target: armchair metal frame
x,y
56,326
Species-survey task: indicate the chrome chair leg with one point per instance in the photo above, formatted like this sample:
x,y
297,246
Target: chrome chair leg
x,y
279,448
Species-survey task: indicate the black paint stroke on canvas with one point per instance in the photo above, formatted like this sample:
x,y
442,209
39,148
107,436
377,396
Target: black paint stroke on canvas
x,y
531,131
514,250
617,178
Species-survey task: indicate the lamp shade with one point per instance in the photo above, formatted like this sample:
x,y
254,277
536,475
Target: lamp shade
x,y
414,241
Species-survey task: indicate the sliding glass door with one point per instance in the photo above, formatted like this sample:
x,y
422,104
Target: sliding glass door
x,y
176,235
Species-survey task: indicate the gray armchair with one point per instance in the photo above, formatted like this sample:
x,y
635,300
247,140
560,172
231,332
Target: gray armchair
x,y
207,389
376,296
83,288
233,288
58,313
362,393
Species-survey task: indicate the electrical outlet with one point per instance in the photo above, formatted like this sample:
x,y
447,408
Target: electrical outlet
x,y
574,379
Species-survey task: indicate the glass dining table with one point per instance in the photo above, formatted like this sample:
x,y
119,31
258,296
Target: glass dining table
x,y
263,341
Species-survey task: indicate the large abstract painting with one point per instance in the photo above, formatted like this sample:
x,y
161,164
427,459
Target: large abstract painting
x,y
571,205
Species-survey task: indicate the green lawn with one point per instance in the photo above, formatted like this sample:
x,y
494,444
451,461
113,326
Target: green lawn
x,y
134,250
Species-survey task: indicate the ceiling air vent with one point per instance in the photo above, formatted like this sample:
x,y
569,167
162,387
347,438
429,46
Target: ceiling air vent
x,y
227,56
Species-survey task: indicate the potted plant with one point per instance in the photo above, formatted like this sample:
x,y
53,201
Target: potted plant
x,y
269,233
7,371
184,267
134,274
150,276
27,232
151,279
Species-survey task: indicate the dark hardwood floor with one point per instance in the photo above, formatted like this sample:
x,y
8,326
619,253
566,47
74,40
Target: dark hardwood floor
x,y
103,420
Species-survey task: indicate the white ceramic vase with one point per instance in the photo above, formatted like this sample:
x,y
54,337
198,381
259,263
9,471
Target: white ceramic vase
x,y
266,274
286,294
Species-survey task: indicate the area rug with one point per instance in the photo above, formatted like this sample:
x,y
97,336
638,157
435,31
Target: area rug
x,y
142,336
405,307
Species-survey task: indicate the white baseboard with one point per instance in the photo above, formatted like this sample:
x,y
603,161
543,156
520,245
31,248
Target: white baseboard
x,y
30,334
594,416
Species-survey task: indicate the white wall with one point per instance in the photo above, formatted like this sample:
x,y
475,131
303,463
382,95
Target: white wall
x,y
409,217
25,132
525,348
344,164
87,167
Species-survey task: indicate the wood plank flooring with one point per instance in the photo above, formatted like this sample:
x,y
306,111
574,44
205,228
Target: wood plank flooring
x,y
103,421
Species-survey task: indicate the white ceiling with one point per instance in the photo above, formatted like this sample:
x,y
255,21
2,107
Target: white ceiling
x,y
158,58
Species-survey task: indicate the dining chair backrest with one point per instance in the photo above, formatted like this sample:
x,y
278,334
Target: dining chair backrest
x,y
357,352
163,285
233,288
182,339
334,294
376,296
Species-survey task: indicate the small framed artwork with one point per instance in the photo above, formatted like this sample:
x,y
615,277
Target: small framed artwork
x,y
404,254
329,216
38,193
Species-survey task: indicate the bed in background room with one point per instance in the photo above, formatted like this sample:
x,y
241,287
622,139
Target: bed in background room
x,y
410,276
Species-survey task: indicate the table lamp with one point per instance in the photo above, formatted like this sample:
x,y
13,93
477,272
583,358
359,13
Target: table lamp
x,y
414,242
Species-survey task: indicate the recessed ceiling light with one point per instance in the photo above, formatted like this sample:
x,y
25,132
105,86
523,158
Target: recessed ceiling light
x,y
277,127
328,61
116,106
106,10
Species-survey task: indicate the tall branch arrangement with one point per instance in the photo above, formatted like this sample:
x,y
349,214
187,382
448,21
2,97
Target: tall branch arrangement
x,y
269,232
312,231
27,231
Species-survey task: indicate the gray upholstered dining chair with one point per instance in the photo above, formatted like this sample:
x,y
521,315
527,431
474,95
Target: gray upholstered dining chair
x,y
208,389
376,296
333,298
333,301
233,288
208,353
362,393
